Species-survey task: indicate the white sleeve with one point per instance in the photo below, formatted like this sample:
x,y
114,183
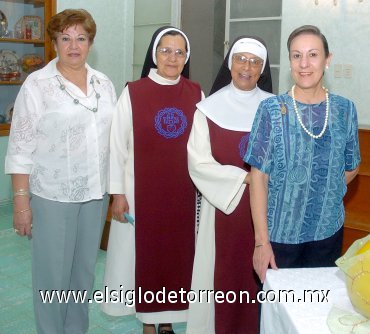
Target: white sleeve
x,y
221,185
22,139
121,132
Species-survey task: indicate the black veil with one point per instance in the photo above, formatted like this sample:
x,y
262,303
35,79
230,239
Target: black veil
x,y
223,77
148,62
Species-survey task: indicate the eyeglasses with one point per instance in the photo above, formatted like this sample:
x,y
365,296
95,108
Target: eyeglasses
x,y
253,62
166,52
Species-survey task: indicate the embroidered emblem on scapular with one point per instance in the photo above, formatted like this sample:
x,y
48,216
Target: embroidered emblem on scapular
x,y
170,122
243,145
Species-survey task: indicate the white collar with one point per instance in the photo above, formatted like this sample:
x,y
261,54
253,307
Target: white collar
x,y
232,108
153,75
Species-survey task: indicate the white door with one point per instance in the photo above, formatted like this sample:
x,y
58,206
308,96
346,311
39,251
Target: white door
x,y
260,18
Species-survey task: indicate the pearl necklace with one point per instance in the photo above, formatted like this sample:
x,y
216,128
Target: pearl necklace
x,y
300,119
76,100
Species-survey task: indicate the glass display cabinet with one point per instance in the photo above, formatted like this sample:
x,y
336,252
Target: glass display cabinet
x,y
24,48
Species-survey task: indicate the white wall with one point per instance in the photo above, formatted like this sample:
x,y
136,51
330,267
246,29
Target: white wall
x,y
347,29
113,46
345,25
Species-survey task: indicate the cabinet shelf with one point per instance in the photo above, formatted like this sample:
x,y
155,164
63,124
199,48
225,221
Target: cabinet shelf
x,y
28,2
19,40
11,82
4,129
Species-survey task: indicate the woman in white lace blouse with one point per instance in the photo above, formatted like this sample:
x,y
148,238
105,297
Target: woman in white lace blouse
x,y
58,152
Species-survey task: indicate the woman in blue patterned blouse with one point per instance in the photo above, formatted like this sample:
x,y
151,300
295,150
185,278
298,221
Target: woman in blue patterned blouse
x,y
303,150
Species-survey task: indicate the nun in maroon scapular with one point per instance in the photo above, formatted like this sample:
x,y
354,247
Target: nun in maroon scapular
x,y
225,242
149,180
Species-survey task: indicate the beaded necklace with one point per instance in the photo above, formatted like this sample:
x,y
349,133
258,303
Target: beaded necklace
x,y
300,119
76,100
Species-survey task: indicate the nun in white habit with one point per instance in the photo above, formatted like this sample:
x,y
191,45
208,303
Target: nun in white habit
x,y
157,254
217,144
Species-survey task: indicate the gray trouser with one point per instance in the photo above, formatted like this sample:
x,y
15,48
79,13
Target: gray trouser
x,y
65,243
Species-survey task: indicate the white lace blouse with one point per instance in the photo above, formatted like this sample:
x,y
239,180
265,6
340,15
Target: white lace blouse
x,y
58,139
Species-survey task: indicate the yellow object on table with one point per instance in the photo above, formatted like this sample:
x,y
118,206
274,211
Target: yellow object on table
x,y
364,248
355,263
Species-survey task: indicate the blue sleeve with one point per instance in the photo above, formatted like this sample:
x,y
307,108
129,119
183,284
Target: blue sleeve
x,y
352,150
260,149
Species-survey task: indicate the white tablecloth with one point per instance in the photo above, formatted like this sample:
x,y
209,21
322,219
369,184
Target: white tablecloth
x,y
299,316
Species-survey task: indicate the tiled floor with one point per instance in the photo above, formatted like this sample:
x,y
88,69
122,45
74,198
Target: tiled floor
x,y
16,310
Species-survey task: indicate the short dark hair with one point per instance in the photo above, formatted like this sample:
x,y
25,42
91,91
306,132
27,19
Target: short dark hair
x,y
309,29
72,17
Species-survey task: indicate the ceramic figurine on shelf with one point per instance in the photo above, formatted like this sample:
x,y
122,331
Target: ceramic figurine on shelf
x,y
3,24
28,34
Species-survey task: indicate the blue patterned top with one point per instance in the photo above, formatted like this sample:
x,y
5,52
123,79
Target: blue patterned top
x,y
306,176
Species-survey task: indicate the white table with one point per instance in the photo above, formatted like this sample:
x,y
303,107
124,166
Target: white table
x,y
300,317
